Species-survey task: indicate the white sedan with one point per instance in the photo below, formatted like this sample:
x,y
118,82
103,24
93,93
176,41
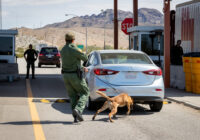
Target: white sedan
x,y
129,71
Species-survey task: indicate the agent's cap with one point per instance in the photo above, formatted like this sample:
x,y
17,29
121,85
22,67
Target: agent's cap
x,y
69,37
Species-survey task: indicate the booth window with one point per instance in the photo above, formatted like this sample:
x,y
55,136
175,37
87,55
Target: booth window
x,y
136,43
6,45
150,44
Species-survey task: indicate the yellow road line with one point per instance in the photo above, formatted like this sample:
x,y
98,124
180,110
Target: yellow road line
x,y
38,131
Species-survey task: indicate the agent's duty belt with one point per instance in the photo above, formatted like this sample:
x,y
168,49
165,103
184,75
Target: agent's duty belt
x,y
62,71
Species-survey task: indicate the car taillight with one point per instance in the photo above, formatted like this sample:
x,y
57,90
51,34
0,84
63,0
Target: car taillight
x,y
105,72
158,89
102,89
58,54
157,72
41,54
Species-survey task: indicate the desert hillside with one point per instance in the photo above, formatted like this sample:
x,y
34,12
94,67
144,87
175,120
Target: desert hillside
x,y
55,36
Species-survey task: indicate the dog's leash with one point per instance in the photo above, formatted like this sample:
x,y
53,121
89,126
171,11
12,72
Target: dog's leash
x,y
108,85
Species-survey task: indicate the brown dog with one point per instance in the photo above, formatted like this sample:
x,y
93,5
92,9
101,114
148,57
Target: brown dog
x,y
113,103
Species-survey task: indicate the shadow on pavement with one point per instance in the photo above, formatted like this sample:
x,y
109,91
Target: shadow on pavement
x,y
44,86
36,122
138,110
172,92
13,89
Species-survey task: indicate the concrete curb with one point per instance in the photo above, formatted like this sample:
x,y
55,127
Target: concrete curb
x,y
184,103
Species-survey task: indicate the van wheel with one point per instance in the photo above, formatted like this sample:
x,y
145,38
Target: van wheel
x,y
90,105
156,106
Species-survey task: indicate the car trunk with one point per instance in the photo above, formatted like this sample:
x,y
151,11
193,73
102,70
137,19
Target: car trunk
x,y
129,75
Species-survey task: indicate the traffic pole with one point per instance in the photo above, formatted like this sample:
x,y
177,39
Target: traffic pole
x,y
115,24
135,12
166,11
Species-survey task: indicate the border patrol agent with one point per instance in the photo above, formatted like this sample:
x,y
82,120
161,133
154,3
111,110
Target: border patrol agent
x,y
72,71
30,56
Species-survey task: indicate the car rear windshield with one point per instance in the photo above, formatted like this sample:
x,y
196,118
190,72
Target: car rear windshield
x,y
124,58
49,50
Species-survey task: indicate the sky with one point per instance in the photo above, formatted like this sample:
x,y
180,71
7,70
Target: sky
x,y
38,13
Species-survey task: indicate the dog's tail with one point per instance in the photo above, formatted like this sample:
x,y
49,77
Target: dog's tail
x,y
104,95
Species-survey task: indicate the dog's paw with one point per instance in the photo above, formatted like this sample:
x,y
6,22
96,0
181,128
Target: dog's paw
x,y
111,121
114,117
128,113
93,118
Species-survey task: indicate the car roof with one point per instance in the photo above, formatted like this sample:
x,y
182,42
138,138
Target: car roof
x,y
119,51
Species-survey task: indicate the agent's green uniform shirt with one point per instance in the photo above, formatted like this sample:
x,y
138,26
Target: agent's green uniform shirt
x,y
77,88
71,57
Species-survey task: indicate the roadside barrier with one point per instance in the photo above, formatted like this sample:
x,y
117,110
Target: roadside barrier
x,y
191,65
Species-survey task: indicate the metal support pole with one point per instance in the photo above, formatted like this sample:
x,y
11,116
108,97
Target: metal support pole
x,y
104,36
104,45
86,39
129,39
135,12
166,11
115,24
0,14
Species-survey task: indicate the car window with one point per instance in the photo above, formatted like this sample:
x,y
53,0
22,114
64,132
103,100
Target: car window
x,y
95,62
124,58
49,50
91,60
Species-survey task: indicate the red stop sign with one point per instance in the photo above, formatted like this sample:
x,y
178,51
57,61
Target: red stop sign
x,y
127,23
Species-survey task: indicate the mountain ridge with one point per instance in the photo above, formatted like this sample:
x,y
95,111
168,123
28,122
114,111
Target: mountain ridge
x,y
146,16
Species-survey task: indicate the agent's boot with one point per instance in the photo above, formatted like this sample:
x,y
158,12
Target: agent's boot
x,y
75,118
78,115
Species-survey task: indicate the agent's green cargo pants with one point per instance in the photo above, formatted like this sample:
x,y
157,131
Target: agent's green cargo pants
x,y
77,90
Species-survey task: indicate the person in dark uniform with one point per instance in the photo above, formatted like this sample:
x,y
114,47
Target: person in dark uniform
x,y
30,56
75,84
176,54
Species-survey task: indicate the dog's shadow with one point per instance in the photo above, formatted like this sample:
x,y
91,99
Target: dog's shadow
x,y
121,113
107,119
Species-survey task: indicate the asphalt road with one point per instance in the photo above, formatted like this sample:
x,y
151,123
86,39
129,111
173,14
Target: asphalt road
x,y
24,116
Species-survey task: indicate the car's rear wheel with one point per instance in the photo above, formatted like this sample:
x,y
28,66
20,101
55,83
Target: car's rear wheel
x,y
58,65
39,65
156,106
90,105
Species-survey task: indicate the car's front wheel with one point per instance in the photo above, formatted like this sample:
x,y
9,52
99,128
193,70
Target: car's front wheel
x,y
156,106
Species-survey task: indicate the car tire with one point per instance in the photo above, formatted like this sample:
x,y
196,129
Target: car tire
x,y
39,65
156,106
58,65
90,105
